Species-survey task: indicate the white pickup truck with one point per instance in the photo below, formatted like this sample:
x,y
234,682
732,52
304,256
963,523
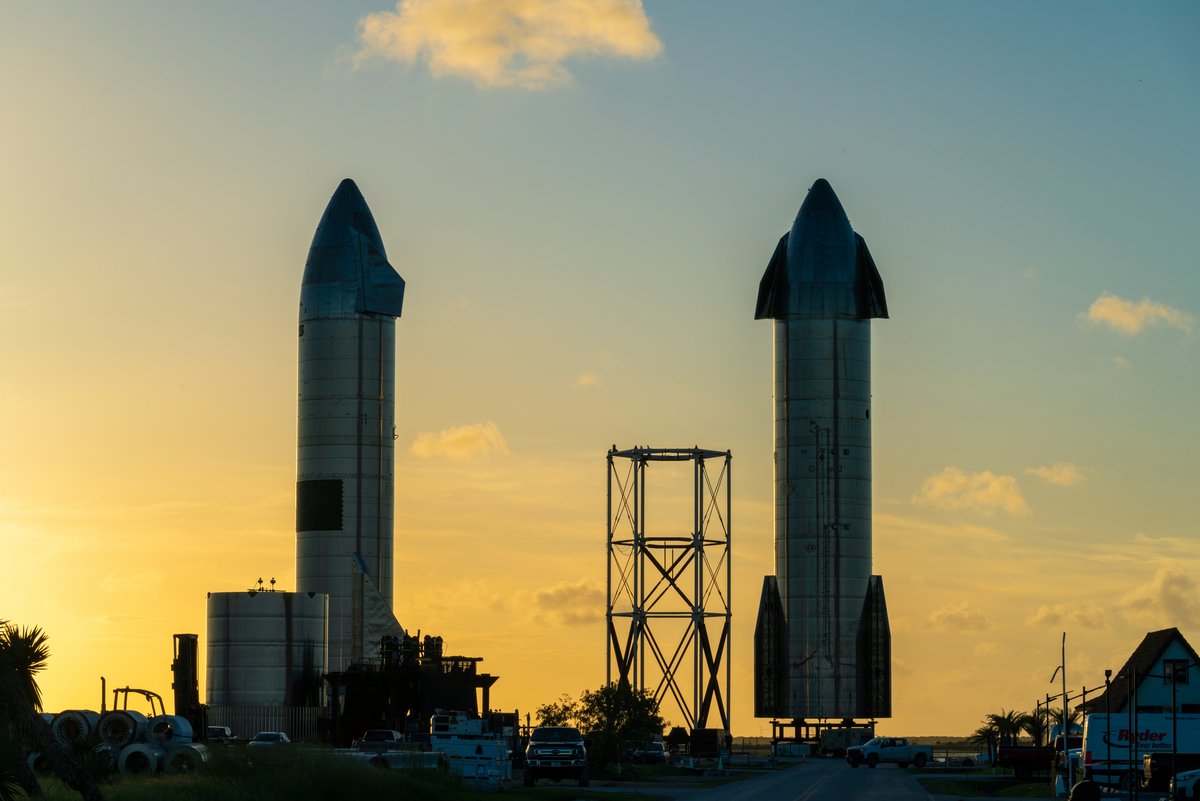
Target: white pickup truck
x,y
894,750
377,741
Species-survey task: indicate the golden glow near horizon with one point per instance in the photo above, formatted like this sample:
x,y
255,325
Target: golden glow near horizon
x,y
582,207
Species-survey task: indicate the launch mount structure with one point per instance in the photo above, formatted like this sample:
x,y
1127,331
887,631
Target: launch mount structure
x,y
669,588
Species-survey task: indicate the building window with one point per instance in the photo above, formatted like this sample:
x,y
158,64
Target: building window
x,y
1178,667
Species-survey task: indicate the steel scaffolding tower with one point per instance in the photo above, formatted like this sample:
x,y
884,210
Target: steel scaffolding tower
x,y
661,584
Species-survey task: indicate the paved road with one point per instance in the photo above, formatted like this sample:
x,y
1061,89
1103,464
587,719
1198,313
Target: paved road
x,y
818,780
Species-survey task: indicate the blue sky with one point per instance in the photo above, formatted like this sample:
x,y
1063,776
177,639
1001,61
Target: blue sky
x,y
582,259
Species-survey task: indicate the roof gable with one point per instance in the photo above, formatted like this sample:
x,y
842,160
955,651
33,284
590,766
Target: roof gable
x,y
1140,663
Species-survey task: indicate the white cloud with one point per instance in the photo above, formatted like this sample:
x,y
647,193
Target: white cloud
x,y
587,380
460,442
501,43
927,530
1129,317
571,604
983,492
1087,615
959,618
1062,474
1187,545
1168,599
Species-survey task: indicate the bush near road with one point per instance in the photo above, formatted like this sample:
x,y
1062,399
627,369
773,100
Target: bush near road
x,y
291,773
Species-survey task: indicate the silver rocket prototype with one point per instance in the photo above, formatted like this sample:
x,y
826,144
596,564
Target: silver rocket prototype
x,y
822,643
345,465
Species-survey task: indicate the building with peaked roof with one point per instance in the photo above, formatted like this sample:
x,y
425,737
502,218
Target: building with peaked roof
x,y
1161,655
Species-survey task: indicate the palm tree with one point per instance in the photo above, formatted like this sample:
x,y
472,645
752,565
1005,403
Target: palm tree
x,y
24,652
1007,725
986,736
1036,725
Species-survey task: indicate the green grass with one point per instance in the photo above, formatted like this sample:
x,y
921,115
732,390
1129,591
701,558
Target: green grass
x,y
988,788
285,774
734,776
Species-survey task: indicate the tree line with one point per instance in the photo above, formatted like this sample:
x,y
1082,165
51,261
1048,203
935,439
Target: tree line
x,y
1006,727
610,718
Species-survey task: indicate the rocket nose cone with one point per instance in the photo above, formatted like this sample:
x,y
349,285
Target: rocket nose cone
x,y
821,269
346,215
820,250
821,200
347,193
347,271
347,207
821,220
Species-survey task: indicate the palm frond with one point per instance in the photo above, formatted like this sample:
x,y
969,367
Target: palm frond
x,y
24,653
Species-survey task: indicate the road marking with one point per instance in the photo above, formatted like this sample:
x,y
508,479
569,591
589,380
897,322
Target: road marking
x,y
824,780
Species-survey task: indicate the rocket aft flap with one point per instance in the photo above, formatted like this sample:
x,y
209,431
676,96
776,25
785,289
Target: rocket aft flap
x,y
822,646
874,652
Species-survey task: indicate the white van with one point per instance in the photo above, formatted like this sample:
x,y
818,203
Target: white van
x,y
1106,744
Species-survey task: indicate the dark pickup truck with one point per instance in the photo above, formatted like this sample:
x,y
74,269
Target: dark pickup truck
x,y
1026,760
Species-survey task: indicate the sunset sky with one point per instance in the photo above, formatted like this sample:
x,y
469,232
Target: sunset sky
x,y
582,198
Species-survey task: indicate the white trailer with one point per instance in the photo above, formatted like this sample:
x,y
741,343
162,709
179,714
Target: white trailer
x,y
1107,756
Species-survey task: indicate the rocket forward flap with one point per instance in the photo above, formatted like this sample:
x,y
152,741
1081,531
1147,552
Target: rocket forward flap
x,y
868,286
774,282
874,654
383,288
770,653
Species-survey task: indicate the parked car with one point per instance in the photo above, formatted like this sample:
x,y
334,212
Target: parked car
x,y
1185,785
1158,768
219,734
265,738
556,752
654,753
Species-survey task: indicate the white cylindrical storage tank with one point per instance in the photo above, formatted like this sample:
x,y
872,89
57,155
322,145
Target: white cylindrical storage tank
x,y
266,648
